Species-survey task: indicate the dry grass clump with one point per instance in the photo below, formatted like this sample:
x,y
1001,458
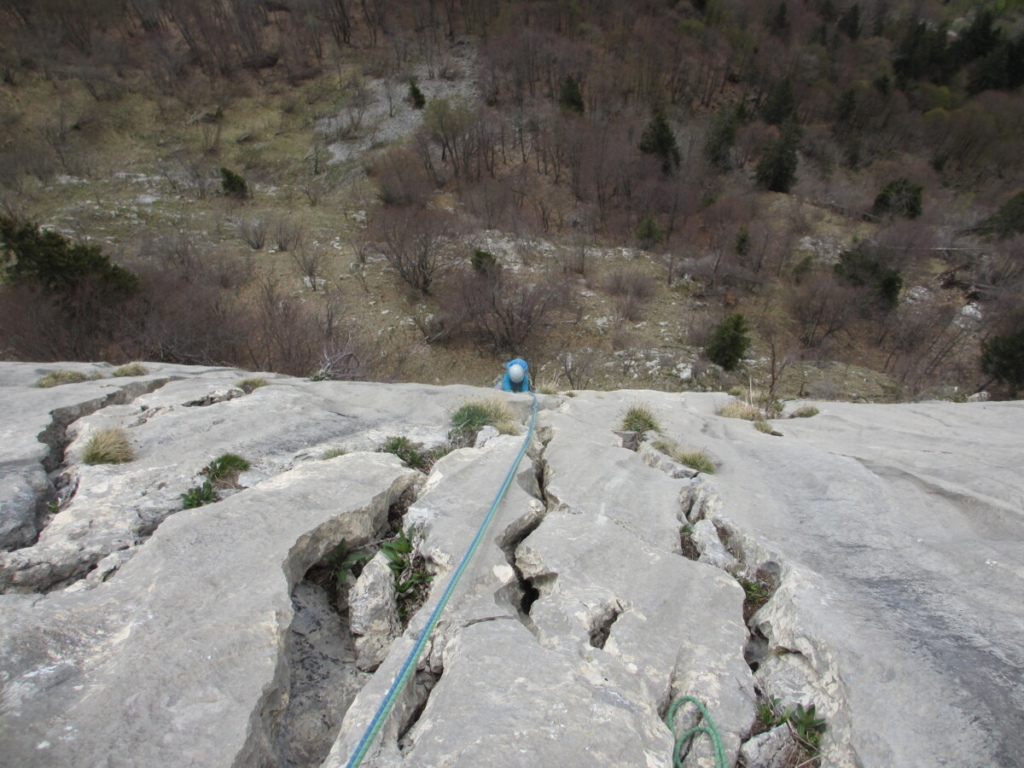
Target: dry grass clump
x,y
251,384
474,415
694,459
738,410
762,425
108,446
131,369
333,453
804,412
63,377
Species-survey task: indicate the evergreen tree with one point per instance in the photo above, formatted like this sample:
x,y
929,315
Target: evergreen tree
x,y
900,198
570,97
416,97
778,22
1002,358
658,139
729,342
780,105
777,170
233,185
849,23
721,137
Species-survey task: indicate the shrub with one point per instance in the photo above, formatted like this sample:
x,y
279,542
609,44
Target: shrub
x,y
108,446
1002,358
659,140
61,377
415,96
131,369
251,384
1008,220
639,418
728,343
899,198
859,267
649,233
483,261
233,185
804,412
570,97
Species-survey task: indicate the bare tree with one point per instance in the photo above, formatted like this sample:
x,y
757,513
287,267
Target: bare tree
x,y
417,243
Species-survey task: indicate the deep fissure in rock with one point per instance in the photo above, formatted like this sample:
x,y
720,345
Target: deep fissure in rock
x,y
686,543
601,626
418,690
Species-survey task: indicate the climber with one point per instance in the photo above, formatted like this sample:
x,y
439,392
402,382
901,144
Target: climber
x,y
516,378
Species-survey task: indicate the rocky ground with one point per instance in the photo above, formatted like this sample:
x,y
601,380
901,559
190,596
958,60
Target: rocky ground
x,y
863,561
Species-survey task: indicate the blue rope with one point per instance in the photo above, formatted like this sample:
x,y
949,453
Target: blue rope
x,y
417,650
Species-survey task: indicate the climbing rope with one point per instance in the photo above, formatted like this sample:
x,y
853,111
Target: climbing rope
x,y
707,727
412,660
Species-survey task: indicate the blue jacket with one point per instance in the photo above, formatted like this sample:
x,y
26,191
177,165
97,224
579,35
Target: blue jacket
x,y
510,386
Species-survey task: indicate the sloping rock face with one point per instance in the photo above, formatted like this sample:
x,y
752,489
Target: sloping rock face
x,y
609,583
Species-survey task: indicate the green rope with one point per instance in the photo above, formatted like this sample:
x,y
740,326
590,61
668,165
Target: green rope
x,y
417,650
682,738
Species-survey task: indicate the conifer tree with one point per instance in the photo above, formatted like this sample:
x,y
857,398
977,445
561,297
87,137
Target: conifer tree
x,y
658,139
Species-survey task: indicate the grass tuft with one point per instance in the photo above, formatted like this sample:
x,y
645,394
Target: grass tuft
x,y
406,450
804,412
737,410
639,418
108,446
223,471
249,385
762,425
131,369
62,377
697,460
474,415
694,459
333,453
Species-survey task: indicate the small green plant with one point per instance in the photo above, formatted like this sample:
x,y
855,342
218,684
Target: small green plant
x,y
131,369
343,563
411,577
763,425
233,185
807,725
251,384
756,593
108,446
649,233
768,712
405,449
333,453
697,460
804,412
61,377
639,418
223,471
199,495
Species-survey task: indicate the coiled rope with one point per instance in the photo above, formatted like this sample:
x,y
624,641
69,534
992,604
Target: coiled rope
x,y
707,727
413,658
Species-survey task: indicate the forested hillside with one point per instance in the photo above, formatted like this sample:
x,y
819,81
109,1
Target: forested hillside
x,y
673,195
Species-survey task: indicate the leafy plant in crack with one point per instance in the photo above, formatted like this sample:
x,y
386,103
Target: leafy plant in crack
x,y
199,495
343,563
807,725
408,567
768,712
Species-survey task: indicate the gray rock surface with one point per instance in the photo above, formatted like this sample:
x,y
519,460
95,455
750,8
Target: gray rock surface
x,y
137,633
